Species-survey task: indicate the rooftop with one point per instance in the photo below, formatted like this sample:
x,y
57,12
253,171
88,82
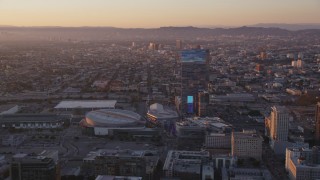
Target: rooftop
x,y
25,158
184,158
190,167
217,134
250,173
114,153
86,104
106,177
29,118
161,111
280,109
246,135
113,117
298,157
207,122
4,109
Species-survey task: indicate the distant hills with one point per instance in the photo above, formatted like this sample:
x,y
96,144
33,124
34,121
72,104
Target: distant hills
x,y
292,27
162,33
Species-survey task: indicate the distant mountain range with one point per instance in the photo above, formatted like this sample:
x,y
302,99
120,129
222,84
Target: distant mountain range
x,y
292,27
162,33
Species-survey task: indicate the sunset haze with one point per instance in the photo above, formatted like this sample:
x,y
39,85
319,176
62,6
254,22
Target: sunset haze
x,y
146,13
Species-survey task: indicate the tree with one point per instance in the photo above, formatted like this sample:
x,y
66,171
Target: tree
x,y
254,113
240,162
256,163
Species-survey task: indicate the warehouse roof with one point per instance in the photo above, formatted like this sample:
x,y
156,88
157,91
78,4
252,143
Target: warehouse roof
x,y
86,104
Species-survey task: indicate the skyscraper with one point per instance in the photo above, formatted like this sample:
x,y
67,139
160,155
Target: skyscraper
x,y
279,126
317,134
193,77
202,102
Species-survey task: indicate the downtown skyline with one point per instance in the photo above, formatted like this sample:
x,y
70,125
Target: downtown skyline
x,y
150,14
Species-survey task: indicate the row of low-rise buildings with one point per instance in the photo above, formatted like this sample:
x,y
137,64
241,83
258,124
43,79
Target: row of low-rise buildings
x,y
303,163
193,165
243,145
31,121
136,164
140,163
216,134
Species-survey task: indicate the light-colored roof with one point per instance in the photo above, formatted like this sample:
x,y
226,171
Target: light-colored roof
x,y
107,177
279,109
159,111
184,158
156,106
86,104
9,109
113,118
218,124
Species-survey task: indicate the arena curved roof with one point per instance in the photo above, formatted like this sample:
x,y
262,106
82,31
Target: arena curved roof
x,y
112,118
159,111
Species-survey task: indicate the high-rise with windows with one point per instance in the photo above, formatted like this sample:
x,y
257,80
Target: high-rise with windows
x,y
279,125
193,77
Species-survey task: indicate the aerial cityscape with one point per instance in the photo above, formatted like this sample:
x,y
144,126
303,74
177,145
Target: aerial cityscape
x,y
155,95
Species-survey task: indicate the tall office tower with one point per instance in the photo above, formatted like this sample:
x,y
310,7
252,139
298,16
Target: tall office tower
x,y
279,126
178,44
26,167
202,102
317,134
193,77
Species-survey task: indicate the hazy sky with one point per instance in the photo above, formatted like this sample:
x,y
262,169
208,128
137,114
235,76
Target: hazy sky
x,y
156,13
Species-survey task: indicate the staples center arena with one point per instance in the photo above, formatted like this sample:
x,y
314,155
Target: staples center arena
x,y
106,122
